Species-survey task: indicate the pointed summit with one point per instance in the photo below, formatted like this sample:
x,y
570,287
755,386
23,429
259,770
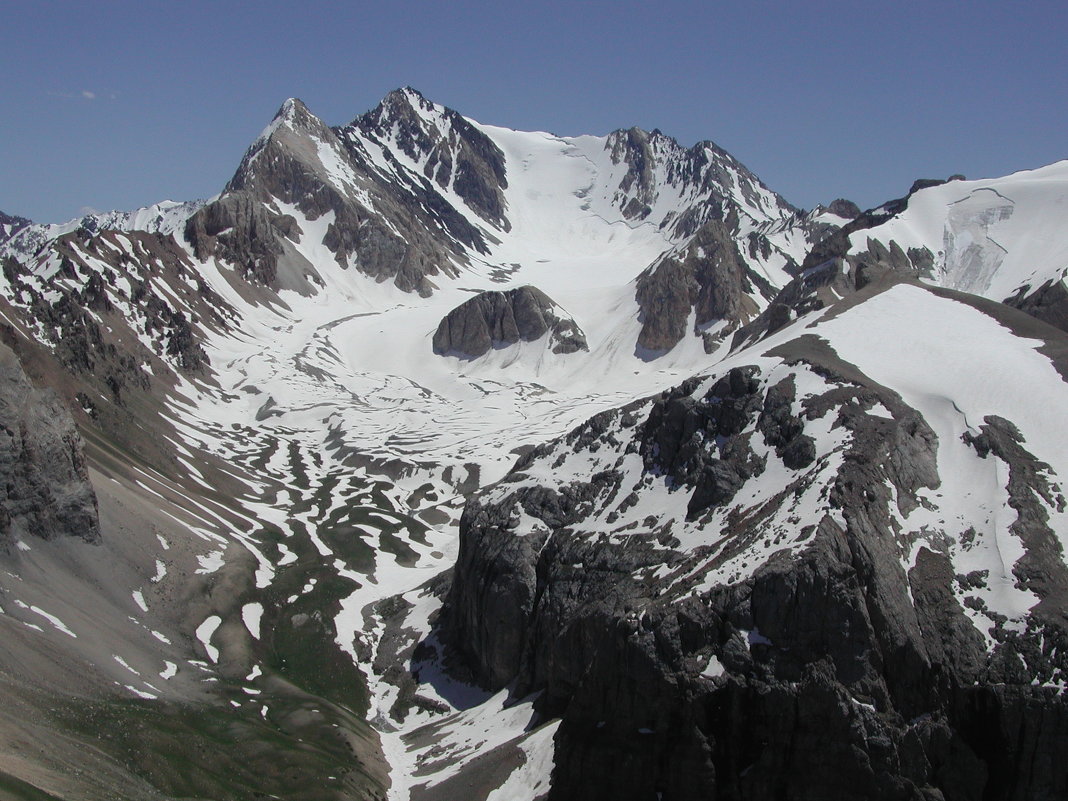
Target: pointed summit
x,y
292,109
450,150
405,107
294,114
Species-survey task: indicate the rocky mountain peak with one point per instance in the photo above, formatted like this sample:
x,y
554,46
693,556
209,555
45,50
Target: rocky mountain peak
x,y
844,208
295,131
11,225
443,145
406,116
699,183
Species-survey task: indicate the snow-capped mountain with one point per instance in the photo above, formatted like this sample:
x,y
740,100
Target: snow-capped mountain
x,y
434,460
10,225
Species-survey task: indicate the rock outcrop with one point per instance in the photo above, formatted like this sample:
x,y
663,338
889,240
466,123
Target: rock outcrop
x,y
778,648
707,280
11,225
658,169
45,491
383,221
1048,303
844,208
500,319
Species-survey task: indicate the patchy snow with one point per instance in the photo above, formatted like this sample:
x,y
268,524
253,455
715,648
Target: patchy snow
x,y
139,599
123,662
251,614
58,624
210,562
714,669
204,633
337,422
532,778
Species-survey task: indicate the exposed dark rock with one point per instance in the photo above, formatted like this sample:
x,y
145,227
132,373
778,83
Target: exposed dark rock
x,y
705,169
499,319
844,208
708,278
45,490
455,151
1031,493
837,673
412,234
833,270
1048,303
241,231
11,225
927,183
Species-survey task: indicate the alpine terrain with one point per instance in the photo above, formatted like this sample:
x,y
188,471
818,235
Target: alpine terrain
x,y
434,460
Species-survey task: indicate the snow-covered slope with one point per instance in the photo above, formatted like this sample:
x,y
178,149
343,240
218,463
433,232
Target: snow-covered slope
x,y
1000,238
282,458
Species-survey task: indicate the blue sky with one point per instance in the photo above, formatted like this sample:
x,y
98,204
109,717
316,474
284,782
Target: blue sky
x,y
118,105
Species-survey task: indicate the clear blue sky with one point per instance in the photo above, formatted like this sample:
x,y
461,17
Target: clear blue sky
x,y
118,105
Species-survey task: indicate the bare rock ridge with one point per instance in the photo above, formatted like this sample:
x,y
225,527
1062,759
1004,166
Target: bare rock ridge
x,y
385,221
499,319
655,161
828,672
11,225
454,153
708,279
844,208
46,492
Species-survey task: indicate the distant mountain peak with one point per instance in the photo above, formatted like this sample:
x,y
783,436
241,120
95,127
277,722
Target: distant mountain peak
x,y
294,115
10,225
407,108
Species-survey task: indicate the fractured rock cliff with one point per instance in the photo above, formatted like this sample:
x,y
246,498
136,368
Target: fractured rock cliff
x,y
46,491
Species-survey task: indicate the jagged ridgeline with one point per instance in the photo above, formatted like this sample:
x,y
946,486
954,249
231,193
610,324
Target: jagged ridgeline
x,y
436,460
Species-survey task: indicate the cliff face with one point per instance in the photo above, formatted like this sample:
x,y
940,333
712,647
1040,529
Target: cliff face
x,y
46,492
721,594
499,319
708,280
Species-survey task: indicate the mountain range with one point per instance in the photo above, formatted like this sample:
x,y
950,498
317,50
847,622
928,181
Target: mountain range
x,y
436,460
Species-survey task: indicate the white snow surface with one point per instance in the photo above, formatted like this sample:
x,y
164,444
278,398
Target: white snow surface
x,y
956,366
988,237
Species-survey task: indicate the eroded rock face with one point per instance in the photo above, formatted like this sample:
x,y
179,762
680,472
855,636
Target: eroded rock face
x,y
499,319
707,279
241,231
844,208
45,491
384,222
454,150
790,654
1048,303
